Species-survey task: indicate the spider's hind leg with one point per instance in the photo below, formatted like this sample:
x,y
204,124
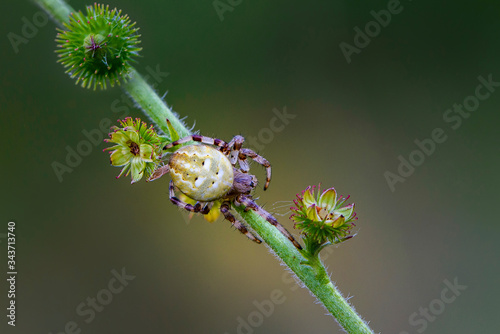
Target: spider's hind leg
x,y
224,208
186,206
249,203
237,153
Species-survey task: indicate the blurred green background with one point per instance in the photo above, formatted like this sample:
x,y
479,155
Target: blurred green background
x,y
352,121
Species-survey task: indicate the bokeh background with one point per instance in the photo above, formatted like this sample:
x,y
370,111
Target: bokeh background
x,y
352,121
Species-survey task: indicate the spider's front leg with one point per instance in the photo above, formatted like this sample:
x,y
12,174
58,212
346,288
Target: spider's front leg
x,y
186,206
224,208
246,152
159,172
234,146
198,138
240,154
248,202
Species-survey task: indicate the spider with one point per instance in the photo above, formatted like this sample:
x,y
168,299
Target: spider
x,y
207,173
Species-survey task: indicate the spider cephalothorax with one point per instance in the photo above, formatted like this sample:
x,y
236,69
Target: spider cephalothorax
x,y
206,174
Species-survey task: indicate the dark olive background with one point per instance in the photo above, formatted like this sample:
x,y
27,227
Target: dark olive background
x,y
352,122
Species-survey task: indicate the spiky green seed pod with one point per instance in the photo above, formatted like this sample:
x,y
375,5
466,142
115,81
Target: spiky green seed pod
x,y
97,48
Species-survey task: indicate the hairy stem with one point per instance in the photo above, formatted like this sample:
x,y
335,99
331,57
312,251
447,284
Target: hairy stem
x,y
58,9
152,105
310,271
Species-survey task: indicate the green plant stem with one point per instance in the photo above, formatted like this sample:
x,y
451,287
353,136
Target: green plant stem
x,y
310,271
58,9
152,105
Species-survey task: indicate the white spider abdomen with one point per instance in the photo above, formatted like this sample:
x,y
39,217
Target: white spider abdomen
x,y
201,172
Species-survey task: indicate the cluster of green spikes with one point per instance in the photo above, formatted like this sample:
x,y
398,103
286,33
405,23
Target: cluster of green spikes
x,y
98,48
